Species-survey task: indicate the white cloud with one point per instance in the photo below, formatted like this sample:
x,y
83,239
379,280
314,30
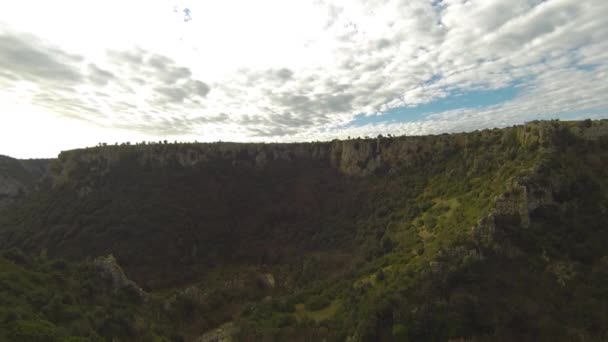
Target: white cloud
x,y
278,70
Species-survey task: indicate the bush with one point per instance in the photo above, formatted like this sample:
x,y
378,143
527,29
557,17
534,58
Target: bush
x,y
34,331
380,275
315,303
283,306
430,220
17,256
399,332
59,264
587,123
283,320
386,244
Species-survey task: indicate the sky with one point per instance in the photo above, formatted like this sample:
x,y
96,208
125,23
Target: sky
x,y
78,73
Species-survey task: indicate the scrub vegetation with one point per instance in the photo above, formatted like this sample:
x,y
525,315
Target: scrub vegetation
x,y
490,235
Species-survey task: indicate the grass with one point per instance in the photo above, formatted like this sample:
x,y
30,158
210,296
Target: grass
x,y
318,315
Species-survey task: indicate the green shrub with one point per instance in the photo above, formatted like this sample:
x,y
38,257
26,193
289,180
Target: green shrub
x,y
283,320
17,256
380,275
283,305
399,332
317,302
34,331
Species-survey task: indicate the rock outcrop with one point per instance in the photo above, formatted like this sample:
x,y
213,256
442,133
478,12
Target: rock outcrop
x,y
224,333
110,270
513,208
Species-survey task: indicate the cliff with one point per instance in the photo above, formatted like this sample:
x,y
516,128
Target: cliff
x,y
356,157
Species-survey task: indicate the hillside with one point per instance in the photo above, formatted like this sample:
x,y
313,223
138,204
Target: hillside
x,y
19,177
489,235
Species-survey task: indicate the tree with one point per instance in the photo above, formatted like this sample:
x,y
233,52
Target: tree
x,y
386,243
400,332
587,123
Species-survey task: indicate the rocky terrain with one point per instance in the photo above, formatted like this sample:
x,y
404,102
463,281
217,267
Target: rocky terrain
x,y
489,235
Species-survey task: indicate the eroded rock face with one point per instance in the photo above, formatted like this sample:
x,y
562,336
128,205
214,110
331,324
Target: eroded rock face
x,y
224,333
356,157
191,293
270,281
110,270
512,210
360,157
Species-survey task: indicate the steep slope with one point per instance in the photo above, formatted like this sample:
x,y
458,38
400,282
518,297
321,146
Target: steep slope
x,y
532,268
175,211
20,177
387,239
55,300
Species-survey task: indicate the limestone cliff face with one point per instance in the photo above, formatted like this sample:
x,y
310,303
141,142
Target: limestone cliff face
x,y
359,157
19,177
536,189
512,210
356,157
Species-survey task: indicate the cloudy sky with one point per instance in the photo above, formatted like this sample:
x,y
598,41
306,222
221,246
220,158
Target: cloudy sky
x,y
76,73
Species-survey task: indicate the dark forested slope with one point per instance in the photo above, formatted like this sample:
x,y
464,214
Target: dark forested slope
x,y
20,177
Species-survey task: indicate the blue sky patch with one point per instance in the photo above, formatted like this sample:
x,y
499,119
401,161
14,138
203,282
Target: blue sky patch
x,y
587,67
470,99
